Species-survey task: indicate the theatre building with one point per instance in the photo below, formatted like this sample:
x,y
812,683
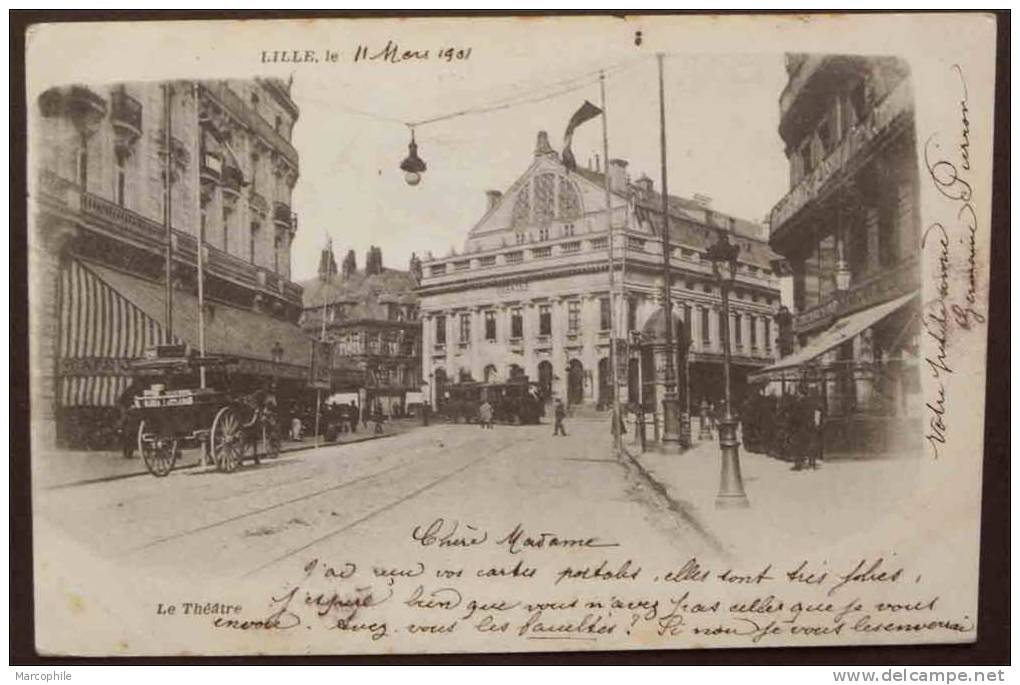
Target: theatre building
x,y
528,292
370,316
849,231
98,238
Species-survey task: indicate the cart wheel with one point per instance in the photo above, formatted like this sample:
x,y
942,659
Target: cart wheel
x,y
227,440
159,454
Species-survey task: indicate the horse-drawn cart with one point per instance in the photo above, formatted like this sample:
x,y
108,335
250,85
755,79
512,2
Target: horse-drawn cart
x,y
173,414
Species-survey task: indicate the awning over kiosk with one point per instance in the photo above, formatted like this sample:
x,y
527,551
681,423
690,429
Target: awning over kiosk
x,y
838,333
108,317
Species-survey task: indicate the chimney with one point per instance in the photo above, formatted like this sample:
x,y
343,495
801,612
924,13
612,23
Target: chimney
x,y
618,179
373,261
350,265
644,186
542,146
327,263
492,198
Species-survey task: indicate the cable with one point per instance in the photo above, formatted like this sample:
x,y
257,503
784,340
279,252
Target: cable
x,y
529,97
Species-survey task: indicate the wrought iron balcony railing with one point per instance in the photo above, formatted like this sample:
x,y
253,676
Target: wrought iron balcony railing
x,y
881,117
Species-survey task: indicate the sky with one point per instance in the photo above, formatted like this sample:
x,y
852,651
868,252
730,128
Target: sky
x,y
722,115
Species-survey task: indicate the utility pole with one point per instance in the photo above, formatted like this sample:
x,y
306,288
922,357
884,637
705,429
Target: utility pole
x,y
167,211
613,313
670,402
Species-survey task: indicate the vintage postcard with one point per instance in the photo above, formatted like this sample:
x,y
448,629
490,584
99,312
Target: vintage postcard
x,y
424,335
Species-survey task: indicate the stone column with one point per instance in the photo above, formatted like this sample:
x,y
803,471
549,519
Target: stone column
x,y
696,327
714,335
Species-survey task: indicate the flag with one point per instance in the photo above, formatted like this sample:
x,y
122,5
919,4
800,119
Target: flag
x,y
586,112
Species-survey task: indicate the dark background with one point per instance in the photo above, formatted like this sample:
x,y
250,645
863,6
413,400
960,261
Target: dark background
x,y
992,647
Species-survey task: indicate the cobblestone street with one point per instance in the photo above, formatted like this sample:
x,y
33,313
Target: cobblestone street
x,y
325,502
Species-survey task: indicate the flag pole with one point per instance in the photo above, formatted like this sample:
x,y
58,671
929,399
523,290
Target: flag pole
x,y
613,314
167,213
199,262
322,339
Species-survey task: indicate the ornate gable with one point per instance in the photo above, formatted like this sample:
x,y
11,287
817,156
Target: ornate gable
x,y
544,196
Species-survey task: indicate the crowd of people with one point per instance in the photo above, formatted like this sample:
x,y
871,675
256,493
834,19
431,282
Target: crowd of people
x,y
788,427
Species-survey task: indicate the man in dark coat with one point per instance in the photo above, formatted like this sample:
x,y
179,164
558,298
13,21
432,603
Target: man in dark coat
x,y
560,414
802,429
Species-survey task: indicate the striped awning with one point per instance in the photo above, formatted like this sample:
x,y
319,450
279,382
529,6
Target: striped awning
x,y
99,329
92,391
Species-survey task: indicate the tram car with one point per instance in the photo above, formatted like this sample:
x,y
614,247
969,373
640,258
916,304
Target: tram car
x,y
515,402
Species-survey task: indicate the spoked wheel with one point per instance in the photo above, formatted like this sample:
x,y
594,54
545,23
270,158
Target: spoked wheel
x,y
227,440
159,453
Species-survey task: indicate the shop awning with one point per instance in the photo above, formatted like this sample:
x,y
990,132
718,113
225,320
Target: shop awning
x,y
838,333
228,330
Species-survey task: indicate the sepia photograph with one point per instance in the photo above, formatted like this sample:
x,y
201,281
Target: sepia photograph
x,y
507,335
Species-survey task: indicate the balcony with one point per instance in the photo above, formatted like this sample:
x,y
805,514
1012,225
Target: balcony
x,y
210,172
231,181
848,155
124,224
891,283
126,114
282,215
230,101
258,204
570,253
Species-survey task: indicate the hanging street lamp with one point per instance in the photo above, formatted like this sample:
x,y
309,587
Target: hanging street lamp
x,y
731,485
412,166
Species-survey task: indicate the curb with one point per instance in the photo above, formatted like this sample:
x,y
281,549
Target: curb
x,y
198,464
678,506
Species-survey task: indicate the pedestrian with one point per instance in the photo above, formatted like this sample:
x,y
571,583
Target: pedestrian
x,y
378,418
560,414
127,422
295,427
818,433
800,429
485,414
619,421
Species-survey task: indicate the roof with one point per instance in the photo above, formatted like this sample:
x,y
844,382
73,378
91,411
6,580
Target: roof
x,y
228,330
655,328
369,295
687,223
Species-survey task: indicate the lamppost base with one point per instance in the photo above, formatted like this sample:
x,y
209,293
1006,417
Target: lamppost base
x,y
732,502
731,485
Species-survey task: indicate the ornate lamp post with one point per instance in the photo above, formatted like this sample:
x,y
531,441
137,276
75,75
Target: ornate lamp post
x,y
731,485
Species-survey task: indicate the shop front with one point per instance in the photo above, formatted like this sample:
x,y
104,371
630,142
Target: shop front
x,y
107,317
865,370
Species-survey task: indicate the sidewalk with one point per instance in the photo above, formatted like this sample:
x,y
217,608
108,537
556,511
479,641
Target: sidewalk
x,y
54,468
798,512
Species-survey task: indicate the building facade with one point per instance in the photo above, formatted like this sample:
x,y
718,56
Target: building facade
x,y
370,317
849,231
102,199
529,293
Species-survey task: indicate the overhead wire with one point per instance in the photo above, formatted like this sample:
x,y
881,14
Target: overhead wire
x,y
528,97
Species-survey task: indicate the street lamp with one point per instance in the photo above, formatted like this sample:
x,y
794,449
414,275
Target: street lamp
x,y
277,354
731,485
412,166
